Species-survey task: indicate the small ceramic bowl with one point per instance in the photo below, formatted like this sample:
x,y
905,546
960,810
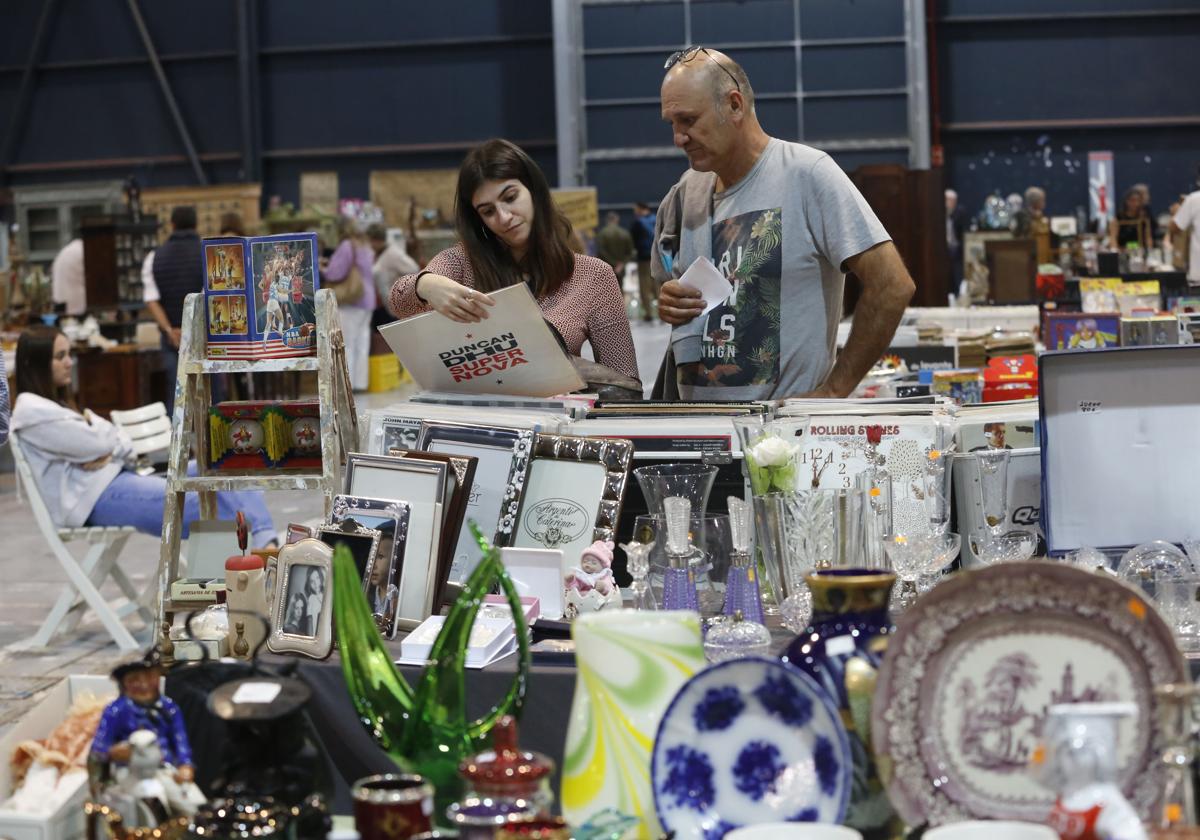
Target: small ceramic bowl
x,y
992,830
794,831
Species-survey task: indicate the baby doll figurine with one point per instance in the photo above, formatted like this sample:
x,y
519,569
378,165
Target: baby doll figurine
x,y
590,585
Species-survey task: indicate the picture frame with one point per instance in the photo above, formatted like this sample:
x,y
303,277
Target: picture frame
x,y
494,448
381,581
392,431
460,480
423,485
565,493
304,572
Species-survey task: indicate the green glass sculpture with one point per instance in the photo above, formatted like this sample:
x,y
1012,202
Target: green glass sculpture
x,y
425,730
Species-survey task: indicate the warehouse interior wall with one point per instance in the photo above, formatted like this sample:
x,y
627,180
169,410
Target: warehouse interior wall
x,y
1023,88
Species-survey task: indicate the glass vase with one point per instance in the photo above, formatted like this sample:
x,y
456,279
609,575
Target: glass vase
x,y
425,730
630,665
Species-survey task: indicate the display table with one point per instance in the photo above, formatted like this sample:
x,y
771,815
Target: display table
x,y
354,754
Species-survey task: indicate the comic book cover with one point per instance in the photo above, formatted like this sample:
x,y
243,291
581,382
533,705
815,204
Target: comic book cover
x,y
1082,331
259,295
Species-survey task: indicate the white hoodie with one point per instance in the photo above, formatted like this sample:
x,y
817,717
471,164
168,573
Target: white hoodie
x,y
57,442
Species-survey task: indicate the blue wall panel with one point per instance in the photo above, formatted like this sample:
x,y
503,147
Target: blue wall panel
x,y
854,67
647,25
731,21
820,19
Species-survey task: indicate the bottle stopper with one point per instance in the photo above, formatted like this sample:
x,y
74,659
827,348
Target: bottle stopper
x,y
678,515
739,524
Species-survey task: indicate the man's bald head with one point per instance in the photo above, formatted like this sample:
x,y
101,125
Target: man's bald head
x,y
715,72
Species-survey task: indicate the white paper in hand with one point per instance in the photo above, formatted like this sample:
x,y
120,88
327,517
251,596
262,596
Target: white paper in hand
x,y
703,276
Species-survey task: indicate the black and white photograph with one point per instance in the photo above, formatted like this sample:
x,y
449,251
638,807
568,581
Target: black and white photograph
x,y
306,589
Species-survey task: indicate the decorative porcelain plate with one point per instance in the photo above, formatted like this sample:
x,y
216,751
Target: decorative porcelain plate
x,y
973,667
749,741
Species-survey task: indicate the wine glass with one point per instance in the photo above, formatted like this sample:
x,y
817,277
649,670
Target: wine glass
x,y
913,556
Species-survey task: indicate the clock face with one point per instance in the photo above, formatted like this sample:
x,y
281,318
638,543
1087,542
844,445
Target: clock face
x,y
836,450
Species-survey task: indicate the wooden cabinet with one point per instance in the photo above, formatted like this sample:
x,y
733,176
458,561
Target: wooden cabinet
x,y
113,250
118,380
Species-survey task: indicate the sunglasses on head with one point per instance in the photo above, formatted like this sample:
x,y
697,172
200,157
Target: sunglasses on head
x,y
686,55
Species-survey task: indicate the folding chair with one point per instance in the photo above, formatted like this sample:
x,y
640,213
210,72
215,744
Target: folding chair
x,y
84,576
149,428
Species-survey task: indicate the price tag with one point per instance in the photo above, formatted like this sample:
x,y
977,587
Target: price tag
x,y
840,646
256,692
1089,406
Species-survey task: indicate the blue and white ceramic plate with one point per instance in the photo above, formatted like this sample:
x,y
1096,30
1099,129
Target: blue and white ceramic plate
x,y
749,741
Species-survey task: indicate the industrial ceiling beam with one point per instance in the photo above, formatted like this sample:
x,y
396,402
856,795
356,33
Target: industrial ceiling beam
x,y
25,91
176,115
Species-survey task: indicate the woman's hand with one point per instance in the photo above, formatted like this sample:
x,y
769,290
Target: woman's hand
x,y
454,300
92,466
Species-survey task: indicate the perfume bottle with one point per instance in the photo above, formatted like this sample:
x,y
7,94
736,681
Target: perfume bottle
x,y
741,584
679,581
638,556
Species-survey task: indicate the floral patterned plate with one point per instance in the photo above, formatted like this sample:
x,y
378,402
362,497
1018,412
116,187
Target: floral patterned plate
x,y
749,741
973,667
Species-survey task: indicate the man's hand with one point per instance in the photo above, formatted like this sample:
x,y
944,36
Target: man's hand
x,y
175,336
821,392
120,752
678,304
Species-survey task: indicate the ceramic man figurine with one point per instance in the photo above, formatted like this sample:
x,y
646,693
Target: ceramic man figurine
x,y
1078,759
141,706
590,585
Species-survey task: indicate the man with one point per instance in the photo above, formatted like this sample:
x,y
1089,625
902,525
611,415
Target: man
x,y
614,245
1031,218
642,230
1185,216
178,270
391,263
67,278
783,224
955,229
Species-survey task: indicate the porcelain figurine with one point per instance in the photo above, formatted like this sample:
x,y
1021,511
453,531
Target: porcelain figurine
x,y
590,586
140,758
1078,759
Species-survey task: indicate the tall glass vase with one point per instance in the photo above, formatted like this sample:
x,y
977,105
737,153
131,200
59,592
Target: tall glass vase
x,y
842,650
689,481
425,730
630,665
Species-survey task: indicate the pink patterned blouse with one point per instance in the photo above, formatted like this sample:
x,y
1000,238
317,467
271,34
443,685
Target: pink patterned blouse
x,y
588,307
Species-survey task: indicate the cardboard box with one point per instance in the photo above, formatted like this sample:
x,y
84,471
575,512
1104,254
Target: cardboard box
x,y
1120,465
39,722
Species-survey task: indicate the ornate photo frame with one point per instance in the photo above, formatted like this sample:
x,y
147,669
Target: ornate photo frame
x,y
559,487
381,581
494,447
423,485
311,561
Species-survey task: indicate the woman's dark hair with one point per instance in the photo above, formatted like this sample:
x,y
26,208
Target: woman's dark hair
x,y
35,355
548,261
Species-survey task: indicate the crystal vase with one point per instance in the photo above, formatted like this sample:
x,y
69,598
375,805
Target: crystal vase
x,y
630,665
690,481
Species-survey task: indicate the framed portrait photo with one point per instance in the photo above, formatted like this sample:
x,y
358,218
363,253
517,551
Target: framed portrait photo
x,y
565,494
423,486
302,610
494,448
381,578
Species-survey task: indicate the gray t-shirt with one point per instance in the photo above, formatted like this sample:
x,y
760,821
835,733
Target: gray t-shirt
x,y
780,236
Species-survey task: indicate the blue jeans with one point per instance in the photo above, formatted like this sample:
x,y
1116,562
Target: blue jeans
x,y
137,500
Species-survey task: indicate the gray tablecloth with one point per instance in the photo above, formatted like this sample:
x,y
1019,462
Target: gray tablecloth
x,y
354,754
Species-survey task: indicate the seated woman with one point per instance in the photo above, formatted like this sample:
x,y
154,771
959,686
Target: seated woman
x,y
511,233
81,462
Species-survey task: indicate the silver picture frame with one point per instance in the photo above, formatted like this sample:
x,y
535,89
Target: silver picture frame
x,y
495,448
302,618
422,485
381,581
559,487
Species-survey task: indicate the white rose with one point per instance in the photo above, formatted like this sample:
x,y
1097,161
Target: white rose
x,y
772,452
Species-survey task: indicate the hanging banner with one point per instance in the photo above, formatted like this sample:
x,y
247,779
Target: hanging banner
x,y
1100,189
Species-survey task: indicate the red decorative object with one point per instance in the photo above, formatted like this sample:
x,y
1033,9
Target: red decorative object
x,y
874,435
1051,286
506,772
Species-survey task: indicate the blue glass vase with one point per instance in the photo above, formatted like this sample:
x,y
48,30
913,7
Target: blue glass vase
x,y
841,649
679,590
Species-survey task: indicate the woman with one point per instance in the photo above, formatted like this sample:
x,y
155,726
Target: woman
x,y
314,592
296,621
512,232
354,251
81,462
